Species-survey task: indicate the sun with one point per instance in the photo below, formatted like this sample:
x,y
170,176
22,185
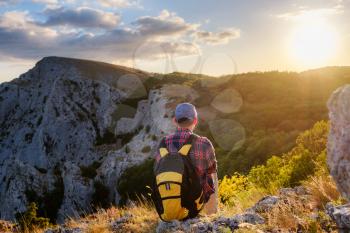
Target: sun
x,y
313,43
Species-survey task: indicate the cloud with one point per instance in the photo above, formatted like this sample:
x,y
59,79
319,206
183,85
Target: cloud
x,y
119,3
82,17
148,37
48,2
21,36
307,13
222,37
167,23
8,2
303,14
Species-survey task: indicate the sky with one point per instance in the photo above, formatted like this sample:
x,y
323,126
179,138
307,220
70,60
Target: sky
x,y
207,36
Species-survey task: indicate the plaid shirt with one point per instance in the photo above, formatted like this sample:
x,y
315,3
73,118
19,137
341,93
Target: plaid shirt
x,y
202,157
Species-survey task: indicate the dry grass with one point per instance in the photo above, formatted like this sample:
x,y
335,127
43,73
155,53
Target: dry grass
x,y
143,218
97,228
323,190
6,226
305,212
33,230
101,218
286,215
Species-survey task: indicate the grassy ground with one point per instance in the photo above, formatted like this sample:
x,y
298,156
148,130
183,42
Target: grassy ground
x,y
294,212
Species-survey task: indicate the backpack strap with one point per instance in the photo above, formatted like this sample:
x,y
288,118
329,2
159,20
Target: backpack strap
x,y
186,147
163,151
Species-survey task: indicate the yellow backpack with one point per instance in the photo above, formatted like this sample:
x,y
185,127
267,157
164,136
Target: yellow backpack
x,y
176,190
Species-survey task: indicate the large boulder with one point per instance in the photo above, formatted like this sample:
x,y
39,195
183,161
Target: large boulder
x,y
339,139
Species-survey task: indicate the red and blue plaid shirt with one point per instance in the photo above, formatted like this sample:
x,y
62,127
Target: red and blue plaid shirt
x,y
202,156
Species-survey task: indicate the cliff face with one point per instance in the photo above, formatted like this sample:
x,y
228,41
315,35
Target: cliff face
x,y
66,124
339,139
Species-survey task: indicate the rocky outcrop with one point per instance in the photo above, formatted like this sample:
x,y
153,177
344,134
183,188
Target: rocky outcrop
x,y
339,139
67,124
265,204
341,215
199,225
338,149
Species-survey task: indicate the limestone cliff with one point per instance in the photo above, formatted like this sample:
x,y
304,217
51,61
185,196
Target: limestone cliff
x,y
67,124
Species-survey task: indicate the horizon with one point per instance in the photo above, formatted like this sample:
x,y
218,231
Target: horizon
x,y
211,76
166,37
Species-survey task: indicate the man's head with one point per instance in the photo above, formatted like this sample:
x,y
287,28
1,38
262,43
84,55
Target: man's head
x,y
186,116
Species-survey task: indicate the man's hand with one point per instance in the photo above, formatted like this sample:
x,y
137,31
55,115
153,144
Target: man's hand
x,y
211,207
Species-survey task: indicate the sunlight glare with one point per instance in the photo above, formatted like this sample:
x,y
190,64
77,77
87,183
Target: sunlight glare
x,y
314,43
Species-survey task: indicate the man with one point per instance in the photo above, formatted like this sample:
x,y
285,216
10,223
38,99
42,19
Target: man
x,y
202,154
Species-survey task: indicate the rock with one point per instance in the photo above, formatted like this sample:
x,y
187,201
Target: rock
x,y
118,223
338,149
67,114
301,190
251,218
198,225
286,191
340,214
65,230
265,204
173,226
298,190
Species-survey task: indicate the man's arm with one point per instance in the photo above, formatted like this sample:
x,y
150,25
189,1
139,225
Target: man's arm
x,y
211,207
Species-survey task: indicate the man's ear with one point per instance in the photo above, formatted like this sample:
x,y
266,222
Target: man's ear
x,y
174,121
195,121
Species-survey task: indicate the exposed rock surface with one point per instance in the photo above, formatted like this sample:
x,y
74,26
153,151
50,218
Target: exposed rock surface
x,y
339,139
340,214
265,204
65,115
65,230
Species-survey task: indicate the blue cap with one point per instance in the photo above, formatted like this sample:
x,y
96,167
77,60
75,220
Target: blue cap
x,y
185,110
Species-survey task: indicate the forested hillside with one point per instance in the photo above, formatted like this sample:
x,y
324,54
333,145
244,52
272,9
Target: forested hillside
x,y
250,117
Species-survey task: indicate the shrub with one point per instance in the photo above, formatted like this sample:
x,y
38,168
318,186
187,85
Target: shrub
x,y
49,203
132,183
127,149
107,138
154,137
28,220
126,138
229,187
52,200
90,171
100,197
304,160
146,149
303,164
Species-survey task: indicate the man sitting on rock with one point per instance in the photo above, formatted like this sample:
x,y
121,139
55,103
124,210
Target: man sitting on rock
x,y
176,155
